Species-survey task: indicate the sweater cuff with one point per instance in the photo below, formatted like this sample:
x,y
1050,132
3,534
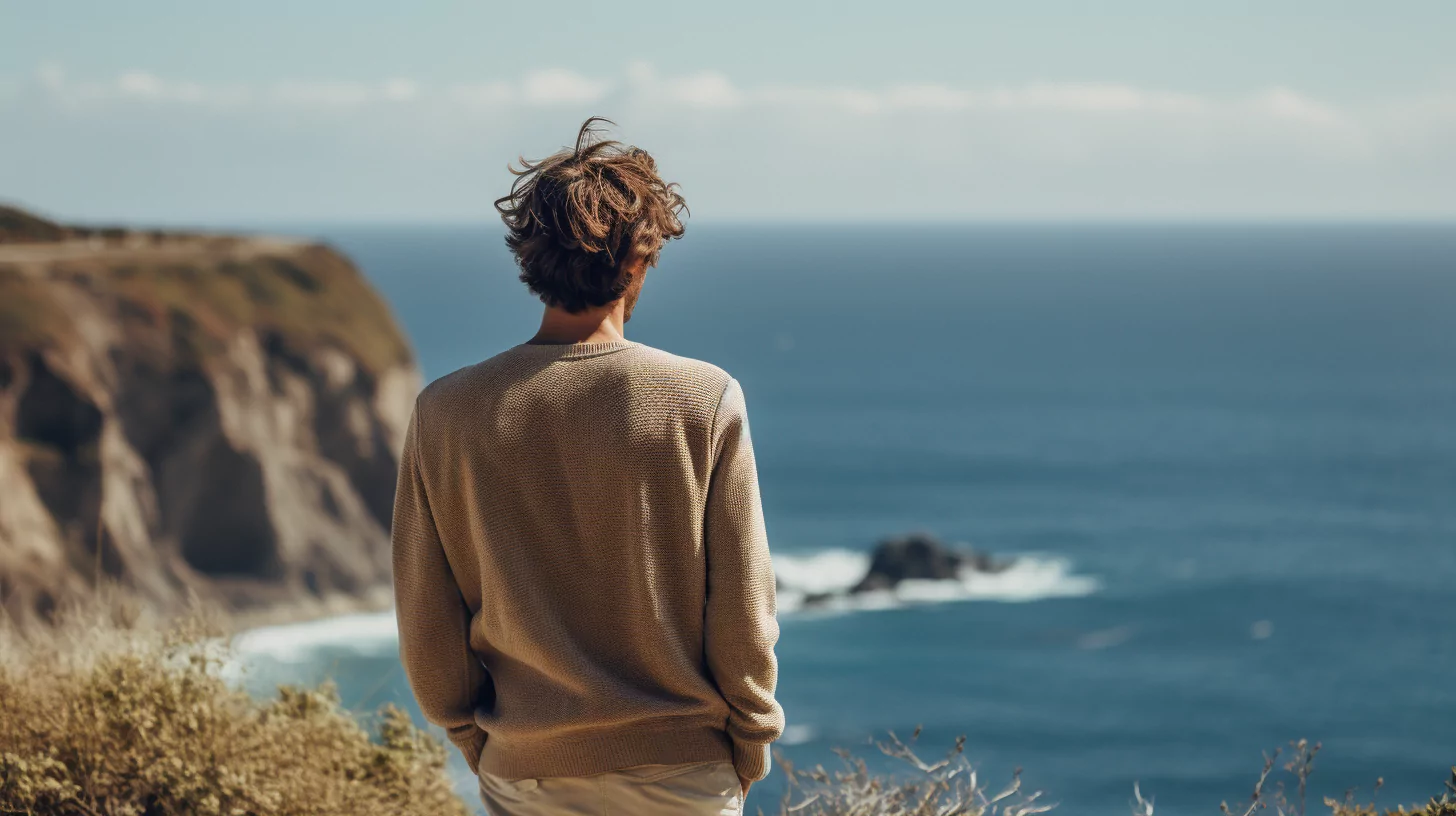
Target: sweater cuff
x,y
751,761
470,739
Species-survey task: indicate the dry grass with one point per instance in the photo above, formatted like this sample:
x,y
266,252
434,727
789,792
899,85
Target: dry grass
x,y
950,786
105,719
29,314
182,301
112,712
1288,794
947,787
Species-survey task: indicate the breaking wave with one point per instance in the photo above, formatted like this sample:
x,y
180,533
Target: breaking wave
x,y
1028,578
833,572
368,633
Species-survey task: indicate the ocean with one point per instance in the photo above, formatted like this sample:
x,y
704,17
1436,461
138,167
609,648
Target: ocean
x,y
1224,457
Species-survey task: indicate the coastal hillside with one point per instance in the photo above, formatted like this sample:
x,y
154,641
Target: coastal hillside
x,y
186,413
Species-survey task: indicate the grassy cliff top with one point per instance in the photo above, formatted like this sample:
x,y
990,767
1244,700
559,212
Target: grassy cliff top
x,y
183,296
17,225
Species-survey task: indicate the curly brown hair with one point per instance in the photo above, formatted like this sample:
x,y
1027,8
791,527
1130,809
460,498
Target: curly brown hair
x,y
576,219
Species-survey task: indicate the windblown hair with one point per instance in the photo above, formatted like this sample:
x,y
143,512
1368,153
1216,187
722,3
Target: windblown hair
x,y
576,218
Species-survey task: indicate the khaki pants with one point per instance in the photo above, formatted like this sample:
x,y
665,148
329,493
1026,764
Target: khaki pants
x,y
691,789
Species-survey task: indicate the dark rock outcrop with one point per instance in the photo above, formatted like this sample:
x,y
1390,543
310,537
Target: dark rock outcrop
x,y
919,556
191,413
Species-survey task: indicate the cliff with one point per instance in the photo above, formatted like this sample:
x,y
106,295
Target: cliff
x,y
193,413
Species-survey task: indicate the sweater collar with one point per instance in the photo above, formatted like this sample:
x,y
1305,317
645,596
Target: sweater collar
x,y
573,351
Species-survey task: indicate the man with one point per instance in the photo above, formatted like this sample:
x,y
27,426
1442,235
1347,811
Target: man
x,y
582,579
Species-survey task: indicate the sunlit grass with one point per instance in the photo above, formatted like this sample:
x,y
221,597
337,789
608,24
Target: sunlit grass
x,y
184,298
106,717
113,711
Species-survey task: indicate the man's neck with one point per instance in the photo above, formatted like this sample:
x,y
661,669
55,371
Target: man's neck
x,y
599,325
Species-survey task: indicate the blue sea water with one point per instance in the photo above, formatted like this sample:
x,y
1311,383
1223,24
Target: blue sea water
x,y
1226,454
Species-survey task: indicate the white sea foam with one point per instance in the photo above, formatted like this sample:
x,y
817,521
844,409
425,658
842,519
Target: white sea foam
x,y
369,633
798,734
1028,578
823,571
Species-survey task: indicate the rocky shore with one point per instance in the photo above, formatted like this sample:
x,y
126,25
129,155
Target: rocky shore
x,y
187,414
912,557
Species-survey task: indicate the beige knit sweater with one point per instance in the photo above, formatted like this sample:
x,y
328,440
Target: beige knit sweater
x,y
581,574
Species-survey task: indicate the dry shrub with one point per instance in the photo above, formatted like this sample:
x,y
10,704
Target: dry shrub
x,y
141,721
1288,794
951,787
111,712
1445,806
947,787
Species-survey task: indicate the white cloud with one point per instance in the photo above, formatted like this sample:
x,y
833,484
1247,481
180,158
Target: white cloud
x,y
341,95
927,97
399,90
710,89
558,86
144,85
1008,148
1287,104
703,90
1095,97
132,85
51,76
140,83
1067,121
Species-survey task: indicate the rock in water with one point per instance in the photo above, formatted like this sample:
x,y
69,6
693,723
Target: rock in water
x,y
918,555
193,413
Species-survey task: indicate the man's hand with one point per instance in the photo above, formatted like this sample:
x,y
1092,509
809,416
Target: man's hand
x,y
746,783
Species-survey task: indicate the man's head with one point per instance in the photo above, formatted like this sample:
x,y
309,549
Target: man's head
x,y
585,224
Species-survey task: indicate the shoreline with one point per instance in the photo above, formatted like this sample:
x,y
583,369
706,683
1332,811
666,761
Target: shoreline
x,y
377,599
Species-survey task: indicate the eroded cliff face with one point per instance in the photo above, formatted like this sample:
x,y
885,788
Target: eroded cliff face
x,y
195,413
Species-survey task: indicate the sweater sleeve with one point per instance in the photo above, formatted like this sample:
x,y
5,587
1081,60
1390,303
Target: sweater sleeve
x,y
740,626
434,621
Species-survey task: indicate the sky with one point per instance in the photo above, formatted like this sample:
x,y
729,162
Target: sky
x,y
308,111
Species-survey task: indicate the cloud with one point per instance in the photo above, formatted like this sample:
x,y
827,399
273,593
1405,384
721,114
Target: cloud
x,y
702,90
557,87
932,147
339,95
706,89
710,89
1071,96
51,76
132,86
1287,104
543,88
1063,118
1095,97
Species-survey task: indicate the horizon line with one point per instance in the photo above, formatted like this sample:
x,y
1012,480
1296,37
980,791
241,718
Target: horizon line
x,y
493,224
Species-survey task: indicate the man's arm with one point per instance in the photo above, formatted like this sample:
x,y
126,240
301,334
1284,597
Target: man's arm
x,y
740,626
434,622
